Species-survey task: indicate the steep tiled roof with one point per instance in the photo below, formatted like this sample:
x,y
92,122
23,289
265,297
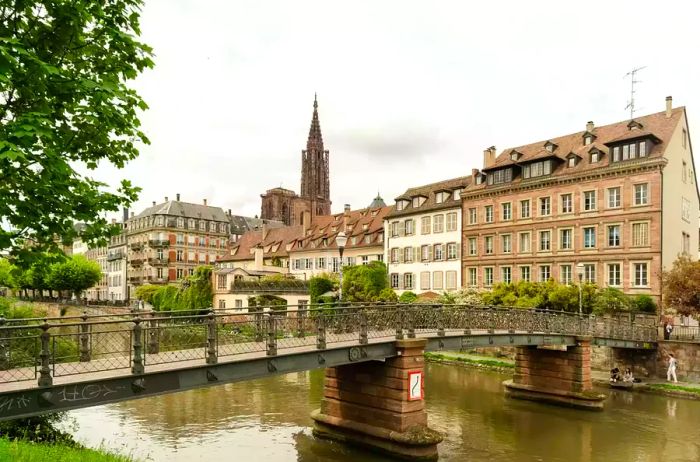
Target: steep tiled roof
x,y
186,210
241,224
428,191
657,126
274,244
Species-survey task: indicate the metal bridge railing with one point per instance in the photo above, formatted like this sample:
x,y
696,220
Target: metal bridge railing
x,y
41,349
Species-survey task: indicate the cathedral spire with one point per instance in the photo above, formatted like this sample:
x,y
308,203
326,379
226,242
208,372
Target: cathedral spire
x,y
315,182
315,138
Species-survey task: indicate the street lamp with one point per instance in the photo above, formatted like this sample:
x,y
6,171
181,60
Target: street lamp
x,y
579,269
341,239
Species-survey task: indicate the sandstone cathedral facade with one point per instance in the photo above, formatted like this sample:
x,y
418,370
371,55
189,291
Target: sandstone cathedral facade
x,y
291,208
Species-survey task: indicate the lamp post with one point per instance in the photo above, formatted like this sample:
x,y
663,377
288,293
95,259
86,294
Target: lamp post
x,y
341,239
579,269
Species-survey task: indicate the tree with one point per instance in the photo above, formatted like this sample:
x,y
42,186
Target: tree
x,y
408,297
7,272
319,285
64,107
682,286
611,300
76,274
364,283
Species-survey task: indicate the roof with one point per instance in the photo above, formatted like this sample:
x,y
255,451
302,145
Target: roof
x,y
274,243
655,126
186,210
240,224
429,191
377,202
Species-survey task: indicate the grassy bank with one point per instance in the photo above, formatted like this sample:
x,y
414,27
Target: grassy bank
x,y
23,451
470,361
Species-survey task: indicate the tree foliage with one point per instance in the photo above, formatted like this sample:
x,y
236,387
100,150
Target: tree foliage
x,y
408,297
195,293
7,274
65,107
364,283
682,286
319,285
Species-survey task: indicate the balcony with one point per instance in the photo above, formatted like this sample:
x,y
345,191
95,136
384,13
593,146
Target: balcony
x,y
136,246
158,243
286,286
158,261
156,280
138,261
135,279
115,256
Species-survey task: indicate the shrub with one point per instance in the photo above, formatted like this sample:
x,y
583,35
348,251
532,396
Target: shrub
x,y
610,300
644,304
319,285
407,297
387,295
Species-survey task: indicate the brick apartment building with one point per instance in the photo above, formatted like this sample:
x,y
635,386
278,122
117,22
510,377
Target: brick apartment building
x,y
620,199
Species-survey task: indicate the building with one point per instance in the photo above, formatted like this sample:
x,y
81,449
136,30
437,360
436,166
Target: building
x,y
620,200
117,264
317,251
167,241
100,290
424,237
258,253
285,205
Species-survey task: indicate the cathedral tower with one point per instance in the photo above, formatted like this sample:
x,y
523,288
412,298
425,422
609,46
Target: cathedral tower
x,y
315,184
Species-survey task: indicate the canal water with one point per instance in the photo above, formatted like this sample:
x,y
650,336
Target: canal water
x,y
268,420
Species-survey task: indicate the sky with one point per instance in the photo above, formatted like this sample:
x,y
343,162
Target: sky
x,y
409,92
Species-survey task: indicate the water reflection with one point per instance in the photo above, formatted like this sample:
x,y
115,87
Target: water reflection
x,y
269,420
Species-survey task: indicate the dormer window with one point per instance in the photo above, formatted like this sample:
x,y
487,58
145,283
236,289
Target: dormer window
x,y
571,162
456,194
324,242
441,197
479,179
634,125
549,146
401,204
588,138
504,175
595,156
418,201
515,155
365,226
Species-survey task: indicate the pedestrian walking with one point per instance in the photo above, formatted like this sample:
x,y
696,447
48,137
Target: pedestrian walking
x,y
671,368
667,331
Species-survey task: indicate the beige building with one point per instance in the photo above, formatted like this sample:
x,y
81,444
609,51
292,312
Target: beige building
x,y
620,200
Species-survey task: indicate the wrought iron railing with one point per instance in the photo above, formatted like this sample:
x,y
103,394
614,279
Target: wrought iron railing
x,y
41,349
685,333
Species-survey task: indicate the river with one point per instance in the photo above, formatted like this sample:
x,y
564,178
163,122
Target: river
x,y
268,420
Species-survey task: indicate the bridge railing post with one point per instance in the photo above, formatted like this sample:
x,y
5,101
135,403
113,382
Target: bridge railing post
x,y
259,325
301,319
363,327
440,318
45,379
137,366
153,335
4,346
84,338
271,335
399,322
212,338
321,331
410,315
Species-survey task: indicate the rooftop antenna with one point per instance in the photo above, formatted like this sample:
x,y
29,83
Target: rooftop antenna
x,y
631,74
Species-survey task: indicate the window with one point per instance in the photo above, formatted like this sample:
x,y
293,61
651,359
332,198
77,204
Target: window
x,y
616,154
456,194
425,280
410,227
437,279
588,238
335,264
438,223
471,246
450,280
643,149
614,197
179,255
402,204
441,197
408,281
565,274
614,274
545,241
425,225
394,280
589,202
394,255
614,236
220,281
180,239
437,252
472,216
488,214
451,251
626,152
566,239
545,273
488,245
524,273
684,173
589,273
418,201
505,243
641,194
595,157
506,211
452,221
567,204
488,276
212,227
321,263
471,277
686,242
394,228
685,209
536,169
179,273
588,139
180,222
640,234
425,253
499,176
545,206
190,223
525,242
239,303
202,225
641,274
506,275
408,254
525,208
365,259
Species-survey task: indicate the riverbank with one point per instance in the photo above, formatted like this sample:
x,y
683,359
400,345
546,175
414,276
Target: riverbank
x,y
472,360
25,451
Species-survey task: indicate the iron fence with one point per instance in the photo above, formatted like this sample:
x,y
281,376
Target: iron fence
x,y
42,349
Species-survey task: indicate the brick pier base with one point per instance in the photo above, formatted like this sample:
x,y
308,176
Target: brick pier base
x,y
367,404
555,376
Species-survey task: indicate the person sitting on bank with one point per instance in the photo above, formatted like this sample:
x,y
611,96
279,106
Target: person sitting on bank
x,y
615,375
628,377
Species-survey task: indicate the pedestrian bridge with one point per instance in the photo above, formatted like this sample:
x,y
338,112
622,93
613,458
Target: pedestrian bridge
x,y
56,364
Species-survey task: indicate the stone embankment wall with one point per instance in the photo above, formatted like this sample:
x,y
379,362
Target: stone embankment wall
x,y
651,363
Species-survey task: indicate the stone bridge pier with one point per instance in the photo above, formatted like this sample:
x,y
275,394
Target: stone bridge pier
x,y
380,405
556,375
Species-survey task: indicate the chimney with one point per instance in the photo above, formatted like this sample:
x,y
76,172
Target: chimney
x,y
205,201
590,126
132,214
305,221
166,198
346,208
489,156
125,214
177,197
258,252
669,106
229,212
475,172
154,203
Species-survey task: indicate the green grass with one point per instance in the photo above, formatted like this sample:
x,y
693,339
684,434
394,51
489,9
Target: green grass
x,y
671,387
489,363
24,451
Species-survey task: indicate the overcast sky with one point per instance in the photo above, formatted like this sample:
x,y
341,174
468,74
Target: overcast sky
x,y
410,92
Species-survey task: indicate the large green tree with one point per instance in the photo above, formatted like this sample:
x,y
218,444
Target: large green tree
x,y
364,283
682,286
65,106
75,274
